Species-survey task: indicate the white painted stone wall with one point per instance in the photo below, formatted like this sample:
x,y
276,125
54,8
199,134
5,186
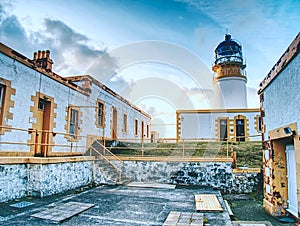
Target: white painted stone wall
x,y
27,82
13,181
282,99
49,179
203,125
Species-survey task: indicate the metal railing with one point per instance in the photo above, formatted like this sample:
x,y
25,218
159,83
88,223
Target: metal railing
x,y
95,146
168,147
115,149
46,142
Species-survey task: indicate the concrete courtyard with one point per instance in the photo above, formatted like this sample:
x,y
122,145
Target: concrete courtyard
x,y
109,205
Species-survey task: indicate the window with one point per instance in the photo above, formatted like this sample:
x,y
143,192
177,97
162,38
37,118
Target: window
x,y
124,123
136,127
100,114
223,128
147,131
41,104
6,104
2,91
73,129
258,123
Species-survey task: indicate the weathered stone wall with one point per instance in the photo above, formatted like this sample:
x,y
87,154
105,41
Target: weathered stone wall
x,y
13,181
245,182
48,179
217,175
18,180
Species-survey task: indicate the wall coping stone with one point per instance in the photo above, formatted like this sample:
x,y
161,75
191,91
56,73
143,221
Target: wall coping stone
x,y
48,160
171,159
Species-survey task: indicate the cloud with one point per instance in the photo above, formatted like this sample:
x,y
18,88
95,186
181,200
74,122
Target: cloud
x,y
68,47
71,51
11,31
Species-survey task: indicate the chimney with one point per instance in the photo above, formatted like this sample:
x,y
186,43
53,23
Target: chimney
x,y
35,56
42,60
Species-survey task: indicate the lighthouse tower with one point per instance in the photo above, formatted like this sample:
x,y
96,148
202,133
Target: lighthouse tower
x,y
230,79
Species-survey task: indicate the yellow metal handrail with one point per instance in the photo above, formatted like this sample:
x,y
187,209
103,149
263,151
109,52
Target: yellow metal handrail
x,y
104,156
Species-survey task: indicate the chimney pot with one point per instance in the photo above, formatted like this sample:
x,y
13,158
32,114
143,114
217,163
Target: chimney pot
x,y
34,56
43,54
39,54
48,53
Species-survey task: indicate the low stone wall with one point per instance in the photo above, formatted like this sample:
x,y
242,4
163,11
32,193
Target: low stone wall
x,y
218,175
246,182
49,179
13,181
20,180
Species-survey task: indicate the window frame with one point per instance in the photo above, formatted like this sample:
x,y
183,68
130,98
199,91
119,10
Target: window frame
x,y
136,127
73,134
125,123
147,130
2,104
98,116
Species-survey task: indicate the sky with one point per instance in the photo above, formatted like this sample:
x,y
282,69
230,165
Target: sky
x,y
156,53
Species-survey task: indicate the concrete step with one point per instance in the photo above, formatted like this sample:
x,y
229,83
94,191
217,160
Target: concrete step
x,y
110,173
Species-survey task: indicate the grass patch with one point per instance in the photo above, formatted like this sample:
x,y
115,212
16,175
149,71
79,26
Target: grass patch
x,y
248,153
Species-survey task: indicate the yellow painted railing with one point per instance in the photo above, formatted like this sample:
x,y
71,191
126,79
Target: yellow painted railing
x,y
95,145
79,145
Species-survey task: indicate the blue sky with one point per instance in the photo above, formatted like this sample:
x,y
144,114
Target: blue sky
x,y
182,34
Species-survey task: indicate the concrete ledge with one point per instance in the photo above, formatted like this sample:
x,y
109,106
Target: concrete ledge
x,y
40,160
171,159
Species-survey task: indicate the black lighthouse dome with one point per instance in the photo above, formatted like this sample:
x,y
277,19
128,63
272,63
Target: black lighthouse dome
x,y
229,52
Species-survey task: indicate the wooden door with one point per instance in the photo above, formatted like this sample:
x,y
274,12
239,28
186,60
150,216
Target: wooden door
x,y
43,126
114,124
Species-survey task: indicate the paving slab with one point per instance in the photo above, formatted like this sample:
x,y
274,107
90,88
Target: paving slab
x,y
184,219
63,212
22,204
151,185
251,223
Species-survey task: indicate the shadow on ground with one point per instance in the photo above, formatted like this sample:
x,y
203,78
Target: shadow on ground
x,y
249,207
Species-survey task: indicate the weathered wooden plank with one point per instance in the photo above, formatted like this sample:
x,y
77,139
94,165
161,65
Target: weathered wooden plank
x,y
62,212
207,202
151,185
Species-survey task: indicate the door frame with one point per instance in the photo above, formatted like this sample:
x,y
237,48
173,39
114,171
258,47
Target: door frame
x,y
114,126
35,124
291,179
246,127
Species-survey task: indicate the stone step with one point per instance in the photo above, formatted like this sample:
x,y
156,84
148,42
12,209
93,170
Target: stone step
x,y
110,173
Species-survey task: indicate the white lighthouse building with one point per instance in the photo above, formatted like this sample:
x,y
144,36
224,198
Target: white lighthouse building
x,y
229,119
230,80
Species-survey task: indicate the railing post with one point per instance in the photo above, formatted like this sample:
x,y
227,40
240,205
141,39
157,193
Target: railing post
x,y
142,147
71,146
234,159
183,148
